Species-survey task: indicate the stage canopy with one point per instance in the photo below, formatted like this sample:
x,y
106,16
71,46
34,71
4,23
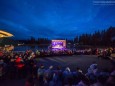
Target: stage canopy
x,y
5,34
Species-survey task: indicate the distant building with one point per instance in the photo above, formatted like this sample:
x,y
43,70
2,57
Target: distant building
x,y
4,40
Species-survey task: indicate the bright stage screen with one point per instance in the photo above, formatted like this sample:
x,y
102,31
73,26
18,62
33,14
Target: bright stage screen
x,y
58,44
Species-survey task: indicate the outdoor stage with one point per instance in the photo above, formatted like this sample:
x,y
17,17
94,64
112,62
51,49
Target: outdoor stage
x,y
58,44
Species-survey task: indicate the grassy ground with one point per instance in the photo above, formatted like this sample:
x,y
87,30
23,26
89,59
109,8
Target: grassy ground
x,y
82,61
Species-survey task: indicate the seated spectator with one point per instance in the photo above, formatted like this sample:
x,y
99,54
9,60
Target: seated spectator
x,y
99,82
40,74
30,82
93,65
19,66
92,72
111,80
84,81
1,71
104,72
67,75
34,70
57,77
48,74
77,76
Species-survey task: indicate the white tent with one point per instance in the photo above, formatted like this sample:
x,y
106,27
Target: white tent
x,y
5,34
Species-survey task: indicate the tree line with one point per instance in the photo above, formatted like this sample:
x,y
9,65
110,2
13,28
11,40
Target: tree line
x,y
98,38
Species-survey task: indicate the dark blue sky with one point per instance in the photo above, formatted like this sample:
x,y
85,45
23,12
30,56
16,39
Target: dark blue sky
x,y
54,18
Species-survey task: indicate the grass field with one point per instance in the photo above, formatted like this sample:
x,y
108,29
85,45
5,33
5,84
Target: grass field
x,y
82,61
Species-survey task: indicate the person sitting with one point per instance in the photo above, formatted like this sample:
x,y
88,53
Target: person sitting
x,y
92,72
67,75
84,81
30,82
77,76
92,66
19,62
57,77
111,80
48,74
1,72
40,74
19,66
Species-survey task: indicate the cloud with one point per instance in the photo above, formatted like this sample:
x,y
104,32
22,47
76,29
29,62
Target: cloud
x,y
16,29
54,18
26,31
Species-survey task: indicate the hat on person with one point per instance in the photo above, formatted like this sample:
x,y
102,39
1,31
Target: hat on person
x,y
51,67
42,66
68,69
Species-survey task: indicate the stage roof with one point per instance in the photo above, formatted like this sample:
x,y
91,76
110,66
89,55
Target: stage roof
x,y
5,34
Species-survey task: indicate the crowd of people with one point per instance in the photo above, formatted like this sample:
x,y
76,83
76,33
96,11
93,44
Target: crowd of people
x,y
59,77
62,52
103,52
19,65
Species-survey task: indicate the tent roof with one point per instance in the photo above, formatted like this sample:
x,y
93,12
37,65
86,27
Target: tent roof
x,y
5,34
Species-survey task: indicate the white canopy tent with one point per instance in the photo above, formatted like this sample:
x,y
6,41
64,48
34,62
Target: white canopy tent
x,y
5,34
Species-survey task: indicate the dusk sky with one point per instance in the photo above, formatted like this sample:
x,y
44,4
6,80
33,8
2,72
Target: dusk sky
x,y
54,18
